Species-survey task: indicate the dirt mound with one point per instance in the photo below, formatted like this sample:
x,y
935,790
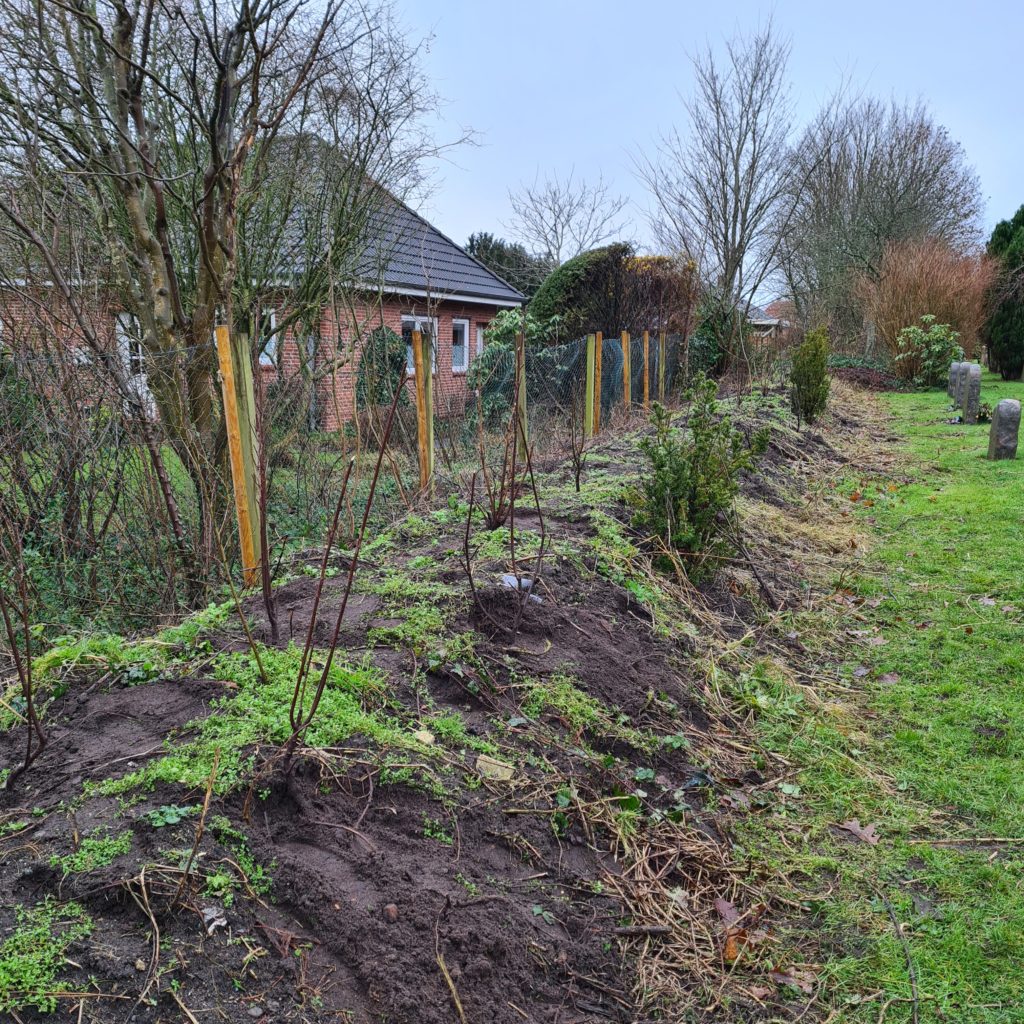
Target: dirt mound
x,y
513,806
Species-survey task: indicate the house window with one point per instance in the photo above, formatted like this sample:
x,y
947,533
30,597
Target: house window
x,y
129,344
425,325
479,339
460,346
267,337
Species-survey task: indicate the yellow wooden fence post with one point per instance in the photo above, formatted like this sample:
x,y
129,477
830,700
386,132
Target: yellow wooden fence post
x,y
627,371
647,371
598,345
522,437
662,356
588,399
246,537
245,398
421,361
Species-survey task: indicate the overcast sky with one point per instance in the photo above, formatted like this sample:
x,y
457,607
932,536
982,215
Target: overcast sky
x,y
556,85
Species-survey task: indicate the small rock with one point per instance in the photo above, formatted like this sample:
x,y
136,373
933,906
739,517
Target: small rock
x,y
492,768
255,1012
391,913
140,964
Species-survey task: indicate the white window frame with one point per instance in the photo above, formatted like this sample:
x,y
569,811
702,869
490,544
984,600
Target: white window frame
x,y
268,355
417,325
479,339
464,321
129,346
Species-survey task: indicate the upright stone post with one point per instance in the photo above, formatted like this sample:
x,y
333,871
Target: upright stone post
x,y
972,393
954,376
1002,438
961,385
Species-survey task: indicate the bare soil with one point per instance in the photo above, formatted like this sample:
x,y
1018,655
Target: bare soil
x,y
510,906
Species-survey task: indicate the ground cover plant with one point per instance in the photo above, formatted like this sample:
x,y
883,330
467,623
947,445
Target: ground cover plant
x,y
659,798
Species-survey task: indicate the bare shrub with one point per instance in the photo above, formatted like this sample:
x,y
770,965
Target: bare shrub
x,y
919,278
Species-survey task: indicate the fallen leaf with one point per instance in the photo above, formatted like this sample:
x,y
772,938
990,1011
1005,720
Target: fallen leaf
x,y
877,641
968,630
987,601
726,911
760,992
889,678
738,798
855,496
866,833
802,980
424,736
1008,609
860,671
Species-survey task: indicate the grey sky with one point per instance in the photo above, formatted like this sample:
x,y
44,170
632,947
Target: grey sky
x,y
585,84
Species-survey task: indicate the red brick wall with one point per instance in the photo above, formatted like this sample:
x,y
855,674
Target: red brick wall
x,y
46,320
338,353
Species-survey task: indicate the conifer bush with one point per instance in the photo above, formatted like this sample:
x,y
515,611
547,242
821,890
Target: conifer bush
x,y
685,499
809,379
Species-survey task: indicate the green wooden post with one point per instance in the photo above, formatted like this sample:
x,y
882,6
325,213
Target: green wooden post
x,y
627,371
598,347
588,400
662,356
428,342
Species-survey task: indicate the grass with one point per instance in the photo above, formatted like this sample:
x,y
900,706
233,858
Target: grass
x,y
927,749
96,851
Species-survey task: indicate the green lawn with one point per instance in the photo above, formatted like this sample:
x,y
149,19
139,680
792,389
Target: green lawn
x,y
922,738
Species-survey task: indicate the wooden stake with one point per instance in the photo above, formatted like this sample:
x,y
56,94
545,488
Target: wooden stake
x,y
588,400
421,361
647,373
521,393
627,371
598,345
246,537
662,356
245,395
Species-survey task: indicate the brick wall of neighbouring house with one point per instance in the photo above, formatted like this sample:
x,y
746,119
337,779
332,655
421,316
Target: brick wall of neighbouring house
x,y
32,322
337,354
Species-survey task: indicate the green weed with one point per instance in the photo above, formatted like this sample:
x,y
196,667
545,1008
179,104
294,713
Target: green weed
x,y
31,958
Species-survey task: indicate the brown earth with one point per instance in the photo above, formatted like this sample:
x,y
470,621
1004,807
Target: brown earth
x,y
505,903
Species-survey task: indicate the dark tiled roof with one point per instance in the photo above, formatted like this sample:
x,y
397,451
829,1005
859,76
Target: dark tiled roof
x,y
406,251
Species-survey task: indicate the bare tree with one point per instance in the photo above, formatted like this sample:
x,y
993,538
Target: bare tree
x,y
717,189
867,174
169,128
560,218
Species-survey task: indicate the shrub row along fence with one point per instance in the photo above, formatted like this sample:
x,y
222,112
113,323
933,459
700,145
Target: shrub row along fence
x,y
121,525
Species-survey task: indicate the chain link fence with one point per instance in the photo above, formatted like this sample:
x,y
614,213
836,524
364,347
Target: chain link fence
x,y
123,520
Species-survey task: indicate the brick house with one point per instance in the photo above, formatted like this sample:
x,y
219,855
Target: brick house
x,y
420,280
412,277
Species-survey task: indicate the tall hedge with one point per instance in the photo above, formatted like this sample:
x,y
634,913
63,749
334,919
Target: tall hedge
x,y
587,291
1004,332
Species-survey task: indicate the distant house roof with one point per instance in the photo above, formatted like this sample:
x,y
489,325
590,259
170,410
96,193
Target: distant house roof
x,y
406,253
